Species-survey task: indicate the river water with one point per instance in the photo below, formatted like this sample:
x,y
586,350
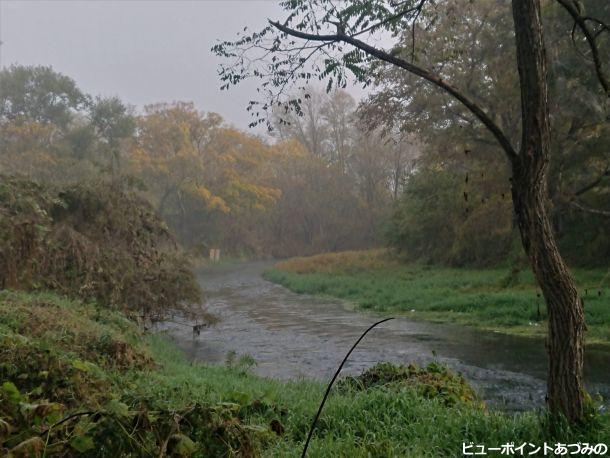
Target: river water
x,y
292,336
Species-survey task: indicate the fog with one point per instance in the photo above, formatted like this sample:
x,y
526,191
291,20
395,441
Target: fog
x,y
147,235
142,51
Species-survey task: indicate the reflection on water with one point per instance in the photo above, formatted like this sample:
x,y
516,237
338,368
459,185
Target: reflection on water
x,y
292,336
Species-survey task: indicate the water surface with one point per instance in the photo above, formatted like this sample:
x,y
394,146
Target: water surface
x,y
292,336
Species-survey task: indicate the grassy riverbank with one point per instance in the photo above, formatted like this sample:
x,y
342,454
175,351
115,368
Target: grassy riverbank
x,y
79,379
491,299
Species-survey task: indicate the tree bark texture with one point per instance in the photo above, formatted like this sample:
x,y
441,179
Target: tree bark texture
x,y
565,342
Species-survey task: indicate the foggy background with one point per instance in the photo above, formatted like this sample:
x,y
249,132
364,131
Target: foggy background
x,y
142,51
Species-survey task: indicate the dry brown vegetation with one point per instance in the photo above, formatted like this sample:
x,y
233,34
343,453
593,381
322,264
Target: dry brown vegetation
x,y
92,241
342,262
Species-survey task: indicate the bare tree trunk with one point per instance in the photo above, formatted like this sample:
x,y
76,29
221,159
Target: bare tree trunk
x,y
565,343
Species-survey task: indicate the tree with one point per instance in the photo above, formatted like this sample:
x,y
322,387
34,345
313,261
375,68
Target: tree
x,y
347,160
339,114
113,124
402,102
312,22
38,94
206,179
43,131
308,126
319,208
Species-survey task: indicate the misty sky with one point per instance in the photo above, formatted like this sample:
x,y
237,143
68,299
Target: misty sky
x,y
142,51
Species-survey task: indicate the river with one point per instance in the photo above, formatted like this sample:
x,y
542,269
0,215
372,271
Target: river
x,y
292,336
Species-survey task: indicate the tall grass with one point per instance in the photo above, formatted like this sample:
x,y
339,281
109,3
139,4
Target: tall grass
x,y
383,421
490,298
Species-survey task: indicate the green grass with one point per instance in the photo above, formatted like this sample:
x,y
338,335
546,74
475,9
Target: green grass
x,y
478,298
376,422
143,395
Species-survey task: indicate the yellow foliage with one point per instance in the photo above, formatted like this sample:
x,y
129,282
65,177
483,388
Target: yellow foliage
x,y
225,170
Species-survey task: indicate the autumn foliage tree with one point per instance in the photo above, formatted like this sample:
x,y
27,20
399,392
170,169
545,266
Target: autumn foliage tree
x,y
205,178
215,185
39,122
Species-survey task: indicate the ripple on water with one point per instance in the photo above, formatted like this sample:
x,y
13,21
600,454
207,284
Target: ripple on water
x,y
295,336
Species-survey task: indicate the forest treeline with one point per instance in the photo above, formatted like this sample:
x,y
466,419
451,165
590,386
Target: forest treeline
x,y
407,166
215,185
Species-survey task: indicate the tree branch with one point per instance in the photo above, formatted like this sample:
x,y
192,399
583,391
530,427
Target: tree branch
x,y
581,21
595,211
594,183
417,8
414,69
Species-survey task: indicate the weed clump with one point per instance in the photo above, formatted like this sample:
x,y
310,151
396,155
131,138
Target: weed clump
x,y
432,382
49,350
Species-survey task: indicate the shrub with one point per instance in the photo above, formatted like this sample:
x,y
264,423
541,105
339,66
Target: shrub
x,y
433,382
93,241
